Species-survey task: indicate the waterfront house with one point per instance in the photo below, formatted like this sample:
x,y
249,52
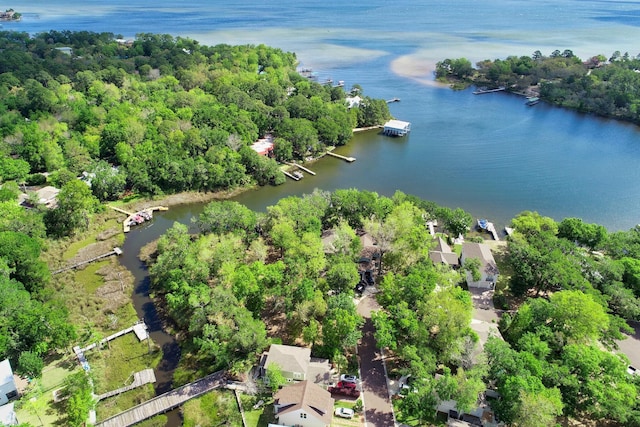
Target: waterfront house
x,y
442,254
47,196
303,404
264,146
488,268
8,389
396,128
296,364
65,49
353,101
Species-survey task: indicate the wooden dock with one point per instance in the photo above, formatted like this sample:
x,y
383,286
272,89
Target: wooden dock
x,y
309,171
120,210
115,251
432,230
295,178
492,229
483,91
126,224
140,329
165,402
141,378
348,159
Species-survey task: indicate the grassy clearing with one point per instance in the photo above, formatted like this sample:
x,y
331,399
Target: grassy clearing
x,y
260,417
212,409
113,366
89,278
57,370
74,247
42,410
502,296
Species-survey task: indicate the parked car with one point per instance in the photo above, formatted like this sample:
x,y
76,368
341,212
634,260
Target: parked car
x,y
348,378
345,391
344,412
368,276
632,370
342,384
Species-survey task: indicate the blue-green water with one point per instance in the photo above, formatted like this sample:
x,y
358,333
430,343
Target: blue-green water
x,y
488,154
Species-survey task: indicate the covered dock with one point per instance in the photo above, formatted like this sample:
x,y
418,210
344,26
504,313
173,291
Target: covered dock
x,y
396,128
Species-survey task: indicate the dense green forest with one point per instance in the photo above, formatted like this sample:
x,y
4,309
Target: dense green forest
x,y
609,88
170,114
154,116
570,289
162,114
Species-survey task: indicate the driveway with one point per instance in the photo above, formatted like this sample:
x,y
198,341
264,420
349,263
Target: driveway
x,y
631,346
375,394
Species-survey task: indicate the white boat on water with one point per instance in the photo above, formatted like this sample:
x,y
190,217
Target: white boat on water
x,y
532,100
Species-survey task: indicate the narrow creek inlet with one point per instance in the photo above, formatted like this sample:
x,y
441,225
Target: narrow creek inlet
x,y
144,306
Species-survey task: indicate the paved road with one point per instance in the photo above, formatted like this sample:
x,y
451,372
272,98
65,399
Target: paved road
x,y
378,408
631,346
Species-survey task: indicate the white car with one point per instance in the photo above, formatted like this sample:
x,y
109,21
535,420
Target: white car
x,y
344,413
348,378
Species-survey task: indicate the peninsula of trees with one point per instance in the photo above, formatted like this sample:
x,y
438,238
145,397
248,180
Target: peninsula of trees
x,y
167,113
10,15
608,88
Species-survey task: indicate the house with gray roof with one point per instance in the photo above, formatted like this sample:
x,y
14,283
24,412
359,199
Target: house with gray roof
x,y
488,268
296,364
442,253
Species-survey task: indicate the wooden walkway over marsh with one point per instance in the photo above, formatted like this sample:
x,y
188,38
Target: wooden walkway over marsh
x,y
139,379
115,251
165,402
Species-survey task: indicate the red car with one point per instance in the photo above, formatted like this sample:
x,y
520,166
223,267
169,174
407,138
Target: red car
x,y
343,384
351,392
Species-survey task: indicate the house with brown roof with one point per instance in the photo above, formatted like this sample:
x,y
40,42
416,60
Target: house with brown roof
x,y
303,404
442,254
488,268
296,364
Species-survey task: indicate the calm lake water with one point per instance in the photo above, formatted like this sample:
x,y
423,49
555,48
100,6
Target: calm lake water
x,y
489,154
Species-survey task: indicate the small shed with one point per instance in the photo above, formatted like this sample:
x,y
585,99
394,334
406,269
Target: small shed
x,y
396,128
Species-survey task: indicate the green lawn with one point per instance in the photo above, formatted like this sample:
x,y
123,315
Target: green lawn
x,y
260,417
402,418
212,409
113,366
42,410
